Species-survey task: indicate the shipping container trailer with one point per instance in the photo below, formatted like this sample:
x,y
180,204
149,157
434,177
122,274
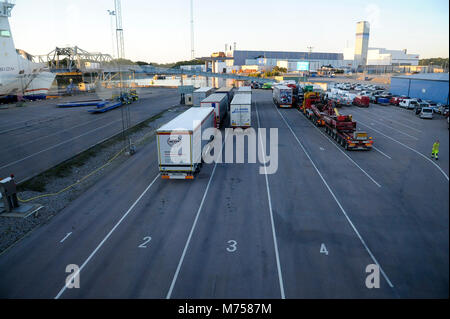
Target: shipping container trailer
x,y
282,96
201,94
218,101
240,111
180,144
244,90
229,91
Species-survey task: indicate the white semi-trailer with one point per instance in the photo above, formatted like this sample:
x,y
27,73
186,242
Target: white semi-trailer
x,y
218,101
241,110
282,96
244,90
180,143
201,94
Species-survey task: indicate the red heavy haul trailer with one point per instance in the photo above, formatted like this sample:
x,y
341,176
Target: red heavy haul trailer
x,y
341,128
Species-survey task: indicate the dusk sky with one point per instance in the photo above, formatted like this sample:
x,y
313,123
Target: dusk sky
x,y
159,31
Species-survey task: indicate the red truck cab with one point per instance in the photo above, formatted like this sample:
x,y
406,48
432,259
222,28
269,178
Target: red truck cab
x,y
361,100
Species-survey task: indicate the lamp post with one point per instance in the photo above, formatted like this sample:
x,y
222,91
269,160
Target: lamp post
x,y
112,14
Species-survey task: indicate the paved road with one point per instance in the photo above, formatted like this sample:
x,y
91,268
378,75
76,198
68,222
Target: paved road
x,y
42,135
233,233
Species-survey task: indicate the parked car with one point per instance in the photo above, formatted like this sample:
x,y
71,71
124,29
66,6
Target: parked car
x,y
418,108
395,100
408,103
426,113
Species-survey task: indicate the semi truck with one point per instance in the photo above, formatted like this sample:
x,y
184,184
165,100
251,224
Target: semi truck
x,y
244,90
240,111
341,128
201,94
218,101
229,91
282,96
180,145
361,100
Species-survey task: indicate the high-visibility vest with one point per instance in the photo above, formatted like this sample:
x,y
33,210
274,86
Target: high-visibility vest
x,y
436,147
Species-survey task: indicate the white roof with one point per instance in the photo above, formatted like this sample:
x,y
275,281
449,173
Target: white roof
x,y
185,121
245,89
224,89
283,87
216,97
242,99
203,89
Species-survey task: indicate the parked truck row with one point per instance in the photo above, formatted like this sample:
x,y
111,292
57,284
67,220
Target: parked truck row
x,y
180,142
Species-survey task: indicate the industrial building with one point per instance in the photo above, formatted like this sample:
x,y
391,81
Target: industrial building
x,y
292,61
362,42
425,86
381,56
365,56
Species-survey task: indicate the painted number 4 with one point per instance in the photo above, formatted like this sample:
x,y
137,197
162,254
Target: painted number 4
x,y
232,246
323,249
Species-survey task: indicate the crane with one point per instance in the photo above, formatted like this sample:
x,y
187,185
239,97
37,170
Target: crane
x,y
126,122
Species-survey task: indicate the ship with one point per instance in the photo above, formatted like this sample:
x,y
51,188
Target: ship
x,y
20,76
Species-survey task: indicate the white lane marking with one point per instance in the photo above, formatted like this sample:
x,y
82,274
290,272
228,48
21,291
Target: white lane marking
x,y
274,235
392,128
390,114
188,241
59,144
338,203
396,122
384,154
410,148
349,158
109,234
68,234
56,133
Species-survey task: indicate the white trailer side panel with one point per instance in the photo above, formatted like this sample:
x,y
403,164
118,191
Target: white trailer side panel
x,y
179,141
240,111
219,102
201,93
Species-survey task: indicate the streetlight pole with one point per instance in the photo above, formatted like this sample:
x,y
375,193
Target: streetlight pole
x,y
112,13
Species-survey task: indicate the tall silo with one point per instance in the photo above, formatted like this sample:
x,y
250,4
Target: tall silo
x,y
362,42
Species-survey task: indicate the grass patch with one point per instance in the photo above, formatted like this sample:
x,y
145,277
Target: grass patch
x,y
64,169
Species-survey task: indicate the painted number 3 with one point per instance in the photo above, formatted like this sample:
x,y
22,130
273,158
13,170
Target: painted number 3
x,y
232,246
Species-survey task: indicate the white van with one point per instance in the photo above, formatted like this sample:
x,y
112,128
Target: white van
x,y
408,103
426,113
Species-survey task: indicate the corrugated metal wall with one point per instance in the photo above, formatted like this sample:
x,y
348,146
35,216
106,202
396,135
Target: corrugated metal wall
x,y
436,91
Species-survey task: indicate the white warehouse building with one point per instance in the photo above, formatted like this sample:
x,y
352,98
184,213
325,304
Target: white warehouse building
x,y
381,56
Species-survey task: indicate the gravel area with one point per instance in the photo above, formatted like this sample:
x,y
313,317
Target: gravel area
x,y
72,171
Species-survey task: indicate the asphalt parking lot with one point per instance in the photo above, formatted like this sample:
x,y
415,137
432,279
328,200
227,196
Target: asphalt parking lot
x,y
41,135
307,231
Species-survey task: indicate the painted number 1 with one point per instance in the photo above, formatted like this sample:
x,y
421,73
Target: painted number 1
x,y
232,246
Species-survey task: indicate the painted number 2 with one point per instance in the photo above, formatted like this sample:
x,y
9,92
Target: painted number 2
x,y
232,246
146,241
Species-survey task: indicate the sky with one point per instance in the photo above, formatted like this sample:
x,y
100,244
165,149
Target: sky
x,y
159,31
